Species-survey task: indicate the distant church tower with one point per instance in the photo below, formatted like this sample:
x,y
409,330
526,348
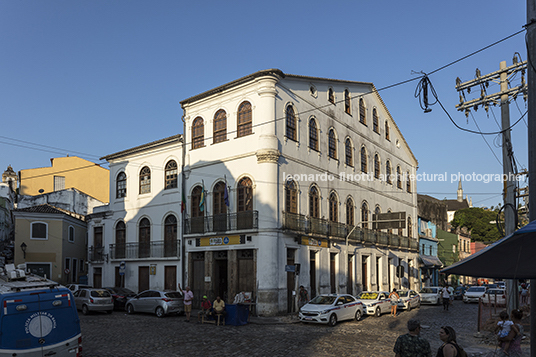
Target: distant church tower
x,y
10,176
460,191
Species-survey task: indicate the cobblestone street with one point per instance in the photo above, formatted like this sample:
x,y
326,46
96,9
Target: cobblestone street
x,y
120,334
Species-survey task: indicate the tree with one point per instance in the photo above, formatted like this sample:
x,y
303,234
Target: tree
x,y
477,221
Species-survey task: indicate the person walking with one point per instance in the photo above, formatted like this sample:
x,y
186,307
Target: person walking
x,y
188,296
303,297
412,344
446,297
450,347
394,301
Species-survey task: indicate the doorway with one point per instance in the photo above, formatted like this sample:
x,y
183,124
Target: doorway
x,y
143,279
170,277
290,280
312,273
220,274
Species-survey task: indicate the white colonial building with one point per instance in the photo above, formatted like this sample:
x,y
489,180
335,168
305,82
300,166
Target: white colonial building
x,y
285,172
141,224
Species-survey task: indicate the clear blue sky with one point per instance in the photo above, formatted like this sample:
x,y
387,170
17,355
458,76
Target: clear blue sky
x,y
96,77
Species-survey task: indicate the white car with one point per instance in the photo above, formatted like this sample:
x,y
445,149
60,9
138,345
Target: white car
x,y
328,309
431,295
495,297
409,299
474,293
375,302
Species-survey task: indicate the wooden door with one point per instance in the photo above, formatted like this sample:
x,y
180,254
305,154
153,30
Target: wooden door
x,y
170,277
143,279
312,273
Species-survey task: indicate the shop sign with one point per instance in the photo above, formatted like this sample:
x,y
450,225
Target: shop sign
x,y
322,243
219,241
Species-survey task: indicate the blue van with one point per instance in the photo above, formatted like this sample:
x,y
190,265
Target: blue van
x,y
38,317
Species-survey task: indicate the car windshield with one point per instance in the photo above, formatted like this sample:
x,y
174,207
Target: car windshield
x,y
323,300
173,295
429,291
368,296
99,293
123,291
476,289
403,293
496,291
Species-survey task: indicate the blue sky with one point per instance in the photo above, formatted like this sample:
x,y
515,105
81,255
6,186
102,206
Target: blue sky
x,y
90,78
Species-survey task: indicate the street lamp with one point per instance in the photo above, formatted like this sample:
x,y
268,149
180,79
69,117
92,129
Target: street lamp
x,y
23,247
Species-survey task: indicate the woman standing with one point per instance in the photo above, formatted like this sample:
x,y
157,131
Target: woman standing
x,y
449,348
394,301
514,350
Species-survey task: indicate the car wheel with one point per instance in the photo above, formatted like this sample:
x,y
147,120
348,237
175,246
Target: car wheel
x,y
332,320
159,311
85,310
358,315
409,306
130,309
419,304
378,312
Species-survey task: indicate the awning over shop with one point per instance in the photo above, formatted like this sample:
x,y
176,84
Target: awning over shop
x,y
430,261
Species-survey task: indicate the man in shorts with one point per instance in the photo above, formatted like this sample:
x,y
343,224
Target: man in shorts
x,y
188,296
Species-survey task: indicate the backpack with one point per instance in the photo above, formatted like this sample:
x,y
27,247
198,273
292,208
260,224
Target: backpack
x,y
461,352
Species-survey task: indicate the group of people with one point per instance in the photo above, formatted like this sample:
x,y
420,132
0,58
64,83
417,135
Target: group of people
x,y
509,335
207,308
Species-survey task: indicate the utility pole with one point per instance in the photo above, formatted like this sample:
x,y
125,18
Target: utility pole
x,y
510,177
531,54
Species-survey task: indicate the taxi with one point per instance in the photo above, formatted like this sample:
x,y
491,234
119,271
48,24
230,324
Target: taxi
x,y
375,302
329,309
409,299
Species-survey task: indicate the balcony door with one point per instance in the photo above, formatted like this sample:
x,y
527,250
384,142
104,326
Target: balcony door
x,y
219,208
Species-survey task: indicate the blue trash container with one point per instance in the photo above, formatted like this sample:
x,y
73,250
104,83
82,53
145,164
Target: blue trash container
x,y
237,315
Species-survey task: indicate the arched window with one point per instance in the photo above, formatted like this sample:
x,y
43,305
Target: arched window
x,y
348,152
350,212
120,240
198,133
314,202
170,236
219,207
333,207
377,211
171,175
387,133
410,228
291,123
388,172
408,183
39,230
398,178
244,119
144,250
364,166
145,180
245,195
376,166
347,106
121,185
220,126
291,197
197,224
332,144
364,215
362,112
375,121
313,135
331,96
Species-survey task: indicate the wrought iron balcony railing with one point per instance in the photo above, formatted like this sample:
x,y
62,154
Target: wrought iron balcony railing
x,y
96,254
141,250
221,223
321,227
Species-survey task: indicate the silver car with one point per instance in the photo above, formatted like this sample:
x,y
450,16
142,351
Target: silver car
x,y
156,302
91,299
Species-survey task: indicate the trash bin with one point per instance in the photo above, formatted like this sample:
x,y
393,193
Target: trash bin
x,y
237,315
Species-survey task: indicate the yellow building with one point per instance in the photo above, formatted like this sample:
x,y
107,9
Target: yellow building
x,y
67,172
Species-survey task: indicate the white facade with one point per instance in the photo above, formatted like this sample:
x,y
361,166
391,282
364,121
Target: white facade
x,y
283,227
141,224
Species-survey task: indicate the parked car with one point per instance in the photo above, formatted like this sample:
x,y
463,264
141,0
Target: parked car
x,y
496,297
329,309
409,299
474,293
91,299
375,302
431,295
75,287
459,291
156,302
120,296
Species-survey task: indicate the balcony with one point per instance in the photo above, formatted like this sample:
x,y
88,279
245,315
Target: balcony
x,y
141,250
222,223
317,227
96,254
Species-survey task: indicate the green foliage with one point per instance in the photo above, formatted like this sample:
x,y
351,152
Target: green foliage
x,y
477,221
